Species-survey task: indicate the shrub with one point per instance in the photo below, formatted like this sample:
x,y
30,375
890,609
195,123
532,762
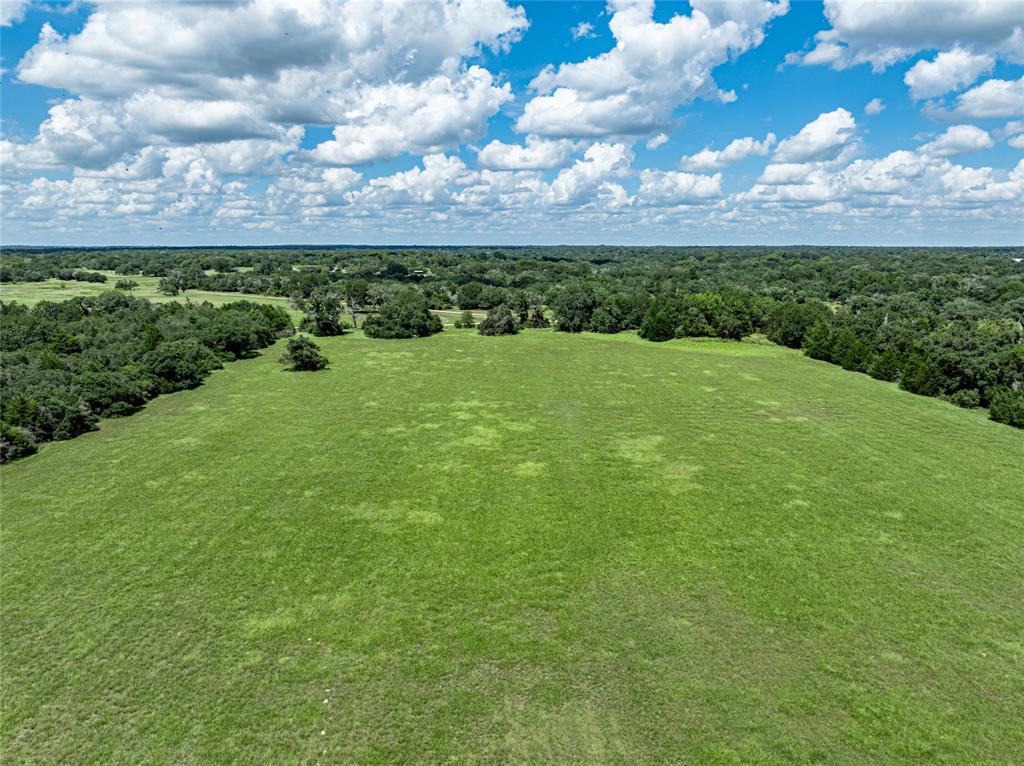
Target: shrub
x,y
303,355
14,443
537,319
1007,406
967,398
404,316
180,364
499,321
659,323
465,320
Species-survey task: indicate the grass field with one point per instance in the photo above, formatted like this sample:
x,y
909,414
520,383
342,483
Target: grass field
x,y
31,293
61,290
533,549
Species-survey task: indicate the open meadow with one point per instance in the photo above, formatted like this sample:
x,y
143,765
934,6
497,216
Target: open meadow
x,y
542,548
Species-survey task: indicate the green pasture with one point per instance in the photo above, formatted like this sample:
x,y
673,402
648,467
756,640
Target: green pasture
x,y
61,290
539,549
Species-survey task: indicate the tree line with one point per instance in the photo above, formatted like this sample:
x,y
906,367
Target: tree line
x,y
64,365
938,321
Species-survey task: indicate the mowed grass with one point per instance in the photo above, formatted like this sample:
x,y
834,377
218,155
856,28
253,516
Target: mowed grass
x,y
55,290
533,549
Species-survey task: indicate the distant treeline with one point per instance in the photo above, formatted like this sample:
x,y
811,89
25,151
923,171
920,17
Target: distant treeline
x,y
64,365
939,321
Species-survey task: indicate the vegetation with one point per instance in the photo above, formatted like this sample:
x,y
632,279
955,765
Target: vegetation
x,y
499,321
65,365
406,315
698,551
303,355
940,322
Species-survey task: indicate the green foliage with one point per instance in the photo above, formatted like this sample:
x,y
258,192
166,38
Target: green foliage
x,y
468,296
128,285
64,365
659,322
1007,406
323,309
966,398
465,320
180,364
303,355
920,376
404,316
788,323
574,307
14,443
499,321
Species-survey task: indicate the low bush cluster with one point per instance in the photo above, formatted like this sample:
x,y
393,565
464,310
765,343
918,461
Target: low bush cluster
x,y
64,365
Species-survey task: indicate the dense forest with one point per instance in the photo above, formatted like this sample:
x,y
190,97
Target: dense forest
x,y
943,322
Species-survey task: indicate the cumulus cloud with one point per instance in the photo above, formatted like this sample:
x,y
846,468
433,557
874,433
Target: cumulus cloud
x,y
874,106
659,187
958,139
883,33
737,150
399,118
601,162
537,154
12,11
993,98
948,71
653,68
391,77
820,139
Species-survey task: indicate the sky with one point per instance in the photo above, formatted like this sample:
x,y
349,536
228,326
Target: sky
x,y
842,122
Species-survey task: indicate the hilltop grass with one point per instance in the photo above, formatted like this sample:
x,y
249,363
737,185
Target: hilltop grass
x,y
532,549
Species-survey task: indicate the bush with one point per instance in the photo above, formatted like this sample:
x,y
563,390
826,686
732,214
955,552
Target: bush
x,y
404,316
180,364
499,321
466,320
14,443
303,355
968,398
1007,406
537,319
659,323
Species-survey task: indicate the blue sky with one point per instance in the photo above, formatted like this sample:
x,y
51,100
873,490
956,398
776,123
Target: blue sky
x,y
273,121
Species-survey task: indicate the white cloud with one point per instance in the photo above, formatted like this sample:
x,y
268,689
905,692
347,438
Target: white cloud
x,y
12,11
1017,141
600,163
653,68
737,150
958,139
659,187
874,106
882,33
993,98
396,118
821,139
391,77
537,154
583,30
655,141
948,71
